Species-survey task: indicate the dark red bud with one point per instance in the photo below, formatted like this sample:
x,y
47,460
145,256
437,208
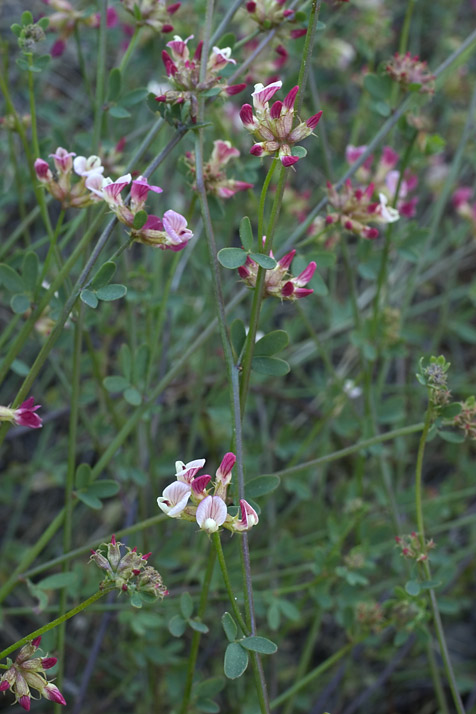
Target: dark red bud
x,y
173,8
235,89
275,111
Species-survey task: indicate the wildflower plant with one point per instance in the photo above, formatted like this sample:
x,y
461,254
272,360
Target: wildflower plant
x,y
123,129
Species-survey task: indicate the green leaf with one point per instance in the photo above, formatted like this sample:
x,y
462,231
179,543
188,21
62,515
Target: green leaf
x,y
236,660
231,258
238,335
30,269
119,112
89,298
209,687
20,303
262,485
198,626
177,626
16,29
273,616
246,233
114,291
134,97
136,600
10,279
57,581
272,366
213,92
450,411
115,383
378,87
207,705
89,500
26,18
289,610
153,104
266,261
271,343
413,588
133,396
83,476
320,25
41,63
125,359
141,364
103,489
259,644
453,437
186,605
22,63
103,275
230,627
382,108
227,40
139,220
19,367
318,285
299,151
43,22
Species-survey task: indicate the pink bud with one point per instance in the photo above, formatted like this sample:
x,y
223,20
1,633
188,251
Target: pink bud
x,y
295,34
287,259
198,52
288,289
306,274
288,13
161,98
224,470
243,272
251,6
348,225
147,556
371,233
256,150
303,292
246,116
235,89
275,111
200,483
48,662
173,8
167,28
291,97
56,51
4,686
42,170
24,702
289,160
313,121
329,220
170,66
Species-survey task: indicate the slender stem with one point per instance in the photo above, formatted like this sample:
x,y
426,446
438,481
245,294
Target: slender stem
x,y
100,77
192,657
365,444
226,580
307,52
54,623
419,479
130,48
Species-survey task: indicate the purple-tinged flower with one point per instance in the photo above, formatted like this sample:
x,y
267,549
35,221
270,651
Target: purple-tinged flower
x,y
272,15
24,415
273,126
152,13
211,513
174,498
127,573
139,191
175,226
199,486
43,171
249,517
63,160
214,175
187,472
223,474
27,671
410,72
354,209
278,281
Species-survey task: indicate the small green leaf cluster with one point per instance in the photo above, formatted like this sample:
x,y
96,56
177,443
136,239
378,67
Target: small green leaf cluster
x,y
233,258
118,102
178,623
29,34
21,287
91,492
100,287
134,366
236,653
263,361
380,89
58,581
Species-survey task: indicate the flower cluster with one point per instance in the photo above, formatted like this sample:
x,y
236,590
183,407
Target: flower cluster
x,y
409,71
128,573
183,72
75,195
354,209
466,419
461,202
214,176
209,510
152,13
411,547
278,281
24,415
169,232
385,177
28,671
435,377
66,19
273,126
271,14
370,616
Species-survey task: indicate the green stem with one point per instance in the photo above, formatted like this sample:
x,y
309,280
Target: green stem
x,y
419,479
100,78
54,623
192,657
130,49
307,51
226,580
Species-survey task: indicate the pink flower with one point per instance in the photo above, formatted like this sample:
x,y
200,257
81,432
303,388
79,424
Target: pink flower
x,y
174,498
278,281
273,126
63,159
25,414
140,189
211,513
187,472
43,171
249,517
175,226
